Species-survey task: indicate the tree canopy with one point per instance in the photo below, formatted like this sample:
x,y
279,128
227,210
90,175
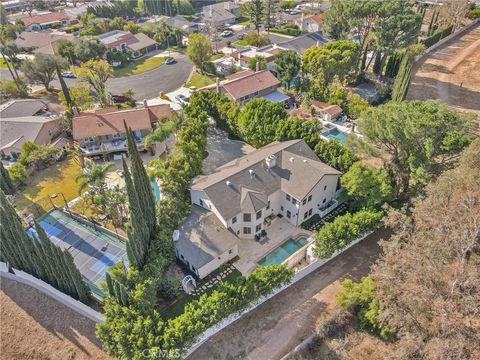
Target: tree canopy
x,y
287,65
199,50
42,70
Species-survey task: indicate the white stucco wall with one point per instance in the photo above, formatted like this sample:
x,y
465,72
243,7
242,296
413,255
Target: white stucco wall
x,y
217,262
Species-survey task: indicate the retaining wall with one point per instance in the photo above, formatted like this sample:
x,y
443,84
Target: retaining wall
x,y
29,280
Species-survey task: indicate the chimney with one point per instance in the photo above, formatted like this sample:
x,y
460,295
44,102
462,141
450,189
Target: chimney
x,y
217,84
257,66
145,104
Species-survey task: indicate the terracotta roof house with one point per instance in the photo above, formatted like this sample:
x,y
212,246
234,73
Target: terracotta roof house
x,y
325,111
116,40
46,21
101,132
44,42
311,23
26,120
238,201
247,85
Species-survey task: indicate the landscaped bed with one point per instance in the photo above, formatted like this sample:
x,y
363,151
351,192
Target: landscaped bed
x,y
138,67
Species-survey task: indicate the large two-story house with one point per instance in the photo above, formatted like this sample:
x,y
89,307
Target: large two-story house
x,y
283,179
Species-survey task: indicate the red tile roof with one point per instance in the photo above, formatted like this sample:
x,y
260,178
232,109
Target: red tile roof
x,y
318,18
44,18
110,121
250,84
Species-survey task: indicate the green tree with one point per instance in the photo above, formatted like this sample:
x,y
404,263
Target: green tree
x,y
93,176
404,76
96,73
258,121
255,10
368,187
256,39
417,135
199,50
42,69
6,183
65,90
287,4
288,65
80,97
262,63
160,134
335,59
335,154
10,50
66,49
88,49
18,173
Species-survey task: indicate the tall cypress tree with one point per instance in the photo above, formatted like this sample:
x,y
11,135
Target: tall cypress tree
x,y
141,182
66,92
6,183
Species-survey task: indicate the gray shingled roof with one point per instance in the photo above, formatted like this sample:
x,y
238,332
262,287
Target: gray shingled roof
x,y
21,108
301,43
203,237
297,171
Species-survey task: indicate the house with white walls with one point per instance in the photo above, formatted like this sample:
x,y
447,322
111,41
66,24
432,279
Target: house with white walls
x,y
237,202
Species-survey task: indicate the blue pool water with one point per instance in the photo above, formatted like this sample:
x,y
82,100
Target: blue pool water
x,y
283,252
156,190
336,134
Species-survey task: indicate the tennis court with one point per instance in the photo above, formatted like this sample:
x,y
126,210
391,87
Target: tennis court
x,y
93,250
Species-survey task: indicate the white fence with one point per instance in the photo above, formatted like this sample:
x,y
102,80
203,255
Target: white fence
x,y
297,277
29,280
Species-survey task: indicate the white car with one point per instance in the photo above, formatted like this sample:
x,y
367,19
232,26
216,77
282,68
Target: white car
x,y
193,88
227,33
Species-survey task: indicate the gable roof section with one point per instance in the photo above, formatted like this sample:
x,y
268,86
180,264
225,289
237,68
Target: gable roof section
x,y
44,18
16,131
250,84
301,43
110,121
297,171
42,41
21,108
140,41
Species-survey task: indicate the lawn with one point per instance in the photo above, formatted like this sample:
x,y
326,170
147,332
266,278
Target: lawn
x,y
199,80
240,43
176,308
58,178
2,63
138,67
216,56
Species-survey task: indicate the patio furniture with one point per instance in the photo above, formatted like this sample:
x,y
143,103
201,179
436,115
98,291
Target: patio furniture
x,y
264,233
257,237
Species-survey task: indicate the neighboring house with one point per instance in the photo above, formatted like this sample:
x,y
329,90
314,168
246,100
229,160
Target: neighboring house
x,y
101,132
284,179
46,21
327,112
13,5
44,42
310,23
243,56
221,13
301,43
26,120
139,44
182,23
246,85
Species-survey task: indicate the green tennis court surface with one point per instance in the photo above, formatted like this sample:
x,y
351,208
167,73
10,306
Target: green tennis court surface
x,y
93,250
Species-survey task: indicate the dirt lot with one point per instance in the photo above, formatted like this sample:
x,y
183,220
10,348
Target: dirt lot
x,y
451,73
277,326
35,326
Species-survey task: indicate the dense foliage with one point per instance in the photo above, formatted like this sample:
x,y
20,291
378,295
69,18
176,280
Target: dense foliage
x,y
287,65
199,50
38,256
37,156
96,73
42,70
6,183
344,229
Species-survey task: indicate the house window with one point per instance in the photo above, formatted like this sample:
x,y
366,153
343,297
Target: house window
x,y
281,208
294,201
323,201
230,251
259,214
288,197
304,201
305,215
247,230
310,212
325,187
201,202
247,217
268,205
309,198
234,220
258,228
289,214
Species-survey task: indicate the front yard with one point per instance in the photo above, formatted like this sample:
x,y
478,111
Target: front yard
x,y
56,179
199,80
138,67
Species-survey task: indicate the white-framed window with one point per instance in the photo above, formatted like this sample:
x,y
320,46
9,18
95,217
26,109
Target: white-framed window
x,y
258,228
288,197
234,220
309,198
247,230
289,214
247,217
259,215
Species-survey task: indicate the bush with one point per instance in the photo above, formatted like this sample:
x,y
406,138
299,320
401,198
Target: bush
x,y
37,156
337,234
287,29
73,28
18,173
473,14
9,89
169,288
257,40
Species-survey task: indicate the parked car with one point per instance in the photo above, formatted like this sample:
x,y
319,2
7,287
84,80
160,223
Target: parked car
x,y
182,99
295,12
227,33
68,74
193,88
170,60
121,99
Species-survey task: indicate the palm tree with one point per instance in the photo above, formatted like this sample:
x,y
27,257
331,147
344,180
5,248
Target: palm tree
x,y
178,34
162,32
93,177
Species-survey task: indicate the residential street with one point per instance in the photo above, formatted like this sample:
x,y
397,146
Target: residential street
x,y
277,326
147,85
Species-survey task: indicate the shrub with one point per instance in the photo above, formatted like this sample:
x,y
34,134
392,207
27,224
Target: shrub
x,y
337,234
9,89
257,40
18,173
473,14
72,28
169,287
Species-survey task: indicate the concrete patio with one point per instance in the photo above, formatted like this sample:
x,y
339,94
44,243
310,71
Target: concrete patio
x,y
251,251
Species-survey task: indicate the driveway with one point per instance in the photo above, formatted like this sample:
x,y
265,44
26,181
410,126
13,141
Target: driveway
x,y
281,323
147,85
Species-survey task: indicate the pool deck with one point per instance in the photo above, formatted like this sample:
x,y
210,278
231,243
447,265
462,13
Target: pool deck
x,y
250,252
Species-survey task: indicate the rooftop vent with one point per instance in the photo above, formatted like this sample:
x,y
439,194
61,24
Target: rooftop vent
x,y
292,159
305,160
229,183
271,161
251,172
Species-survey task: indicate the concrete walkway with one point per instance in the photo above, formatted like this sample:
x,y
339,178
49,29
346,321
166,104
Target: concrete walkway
x,y
277,326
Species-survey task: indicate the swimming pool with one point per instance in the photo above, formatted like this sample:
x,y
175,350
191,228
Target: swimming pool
x,y
156,190
336,134
283,252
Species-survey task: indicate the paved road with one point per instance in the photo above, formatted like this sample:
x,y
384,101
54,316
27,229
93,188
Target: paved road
x,y
147,85
278,325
